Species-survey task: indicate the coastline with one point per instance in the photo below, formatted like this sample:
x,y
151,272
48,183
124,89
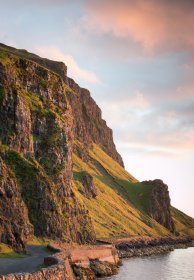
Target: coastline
x,y
156,250
95,261
147,246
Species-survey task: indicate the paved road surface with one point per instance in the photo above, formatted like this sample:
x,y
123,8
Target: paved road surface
x,y
31,262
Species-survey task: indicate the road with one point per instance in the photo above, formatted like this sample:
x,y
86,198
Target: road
x,y
31,262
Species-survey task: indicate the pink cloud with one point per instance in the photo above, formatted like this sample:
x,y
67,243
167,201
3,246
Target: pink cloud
x,y
185,92
156,25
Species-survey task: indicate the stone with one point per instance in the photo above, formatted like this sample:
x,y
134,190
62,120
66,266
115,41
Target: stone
x,y
103,268
159,204
88,125
83,273
89,189
15,226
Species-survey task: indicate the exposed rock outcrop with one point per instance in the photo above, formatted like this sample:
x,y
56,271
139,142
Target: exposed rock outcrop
x,y
83,273
14,224
88,124
159,204
103,269
36,137
89,189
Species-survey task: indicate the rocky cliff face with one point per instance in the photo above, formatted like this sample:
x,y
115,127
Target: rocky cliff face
x,y
43,113
159,204
14,223
37,136
88,125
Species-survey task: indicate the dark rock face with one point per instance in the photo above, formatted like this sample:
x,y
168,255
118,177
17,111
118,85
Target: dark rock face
x,y
88,124
83,272
103,269
95,270
89,190
36,141
159,205
14,223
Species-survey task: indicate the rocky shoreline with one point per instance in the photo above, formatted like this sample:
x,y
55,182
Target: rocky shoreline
x,y
151,250
88,262
146,246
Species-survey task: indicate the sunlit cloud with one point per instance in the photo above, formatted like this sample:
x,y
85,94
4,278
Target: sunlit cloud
x,y
74,70
166,128
132,100
158,26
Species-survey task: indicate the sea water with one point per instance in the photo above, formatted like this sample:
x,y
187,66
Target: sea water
x,y
176,265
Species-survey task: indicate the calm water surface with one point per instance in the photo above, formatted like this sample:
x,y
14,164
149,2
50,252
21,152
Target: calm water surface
x,y
176,265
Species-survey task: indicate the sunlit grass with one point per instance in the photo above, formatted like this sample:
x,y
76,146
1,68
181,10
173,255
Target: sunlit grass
x,y
33,240
7,252
113,211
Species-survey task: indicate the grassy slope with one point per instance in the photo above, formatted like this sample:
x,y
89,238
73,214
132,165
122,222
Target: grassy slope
x,y
120,206
112,211
183,222
7,252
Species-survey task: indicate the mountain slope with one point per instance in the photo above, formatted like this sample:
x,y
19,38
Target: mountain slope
x,y
121,207
66,170
111,210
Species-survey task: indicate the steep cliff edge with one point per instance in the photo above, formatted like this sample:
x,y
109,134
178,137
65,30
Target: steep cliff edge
x,y
159,204
89,127
14,223
36,143
63,165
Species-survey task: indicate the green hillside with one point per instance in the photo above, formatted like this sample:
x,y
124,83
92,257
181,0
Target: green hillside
x,y
183,222
120,206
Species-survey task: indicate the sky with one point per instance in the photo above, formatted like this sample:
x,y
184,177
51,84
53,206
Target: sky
x,y
137,59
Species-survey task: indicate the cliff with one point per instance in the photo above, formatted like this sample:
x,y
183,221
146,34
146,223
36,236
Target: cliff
x,y
61,175
14,223
159,204
36,144
88,125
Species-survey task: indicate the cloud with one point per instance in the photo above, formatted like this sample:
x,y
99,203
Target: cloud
x,y
146,150
134,100
74,70
138,100
141,123
158,26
